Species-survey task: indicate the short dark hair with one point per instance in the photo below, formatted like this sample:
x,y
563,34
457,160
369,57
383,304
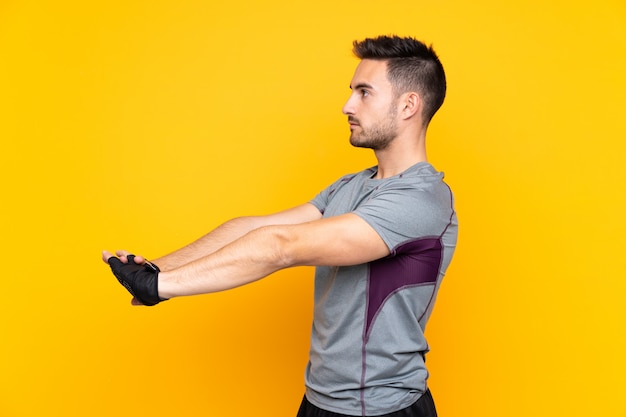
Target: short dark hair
x,y
411,66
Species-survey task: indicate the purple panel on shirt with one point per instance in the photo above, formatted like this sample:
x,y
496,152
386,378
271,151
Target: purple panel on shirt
x,y
413,263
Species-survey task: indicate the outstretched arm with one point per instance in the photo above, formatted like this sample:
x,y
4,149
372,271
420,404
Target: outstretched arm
x,y
207,244
231,231
338,241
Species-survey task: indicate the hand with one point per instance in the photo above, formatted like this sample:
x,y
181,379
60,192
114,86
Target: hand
x,y
139,276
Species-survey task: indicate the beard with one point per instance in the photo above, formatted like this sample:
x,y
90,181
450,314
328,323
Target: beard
x,y
376,137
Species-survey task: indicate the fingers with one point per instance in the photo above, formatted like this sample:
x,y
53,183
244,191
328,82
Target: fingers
x,y
109,258
105,256
124,256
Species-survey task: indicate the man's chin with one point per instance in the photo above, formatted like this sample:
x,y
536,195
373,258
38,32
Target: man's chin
x,y
354,141
376,146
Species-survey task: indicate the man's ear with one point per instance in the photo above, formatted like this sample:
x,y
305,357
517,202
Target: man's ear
x,y
412,105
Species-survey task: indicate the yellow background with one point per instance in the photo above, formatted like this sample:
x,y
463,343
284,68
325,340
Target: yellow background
x,y
144,124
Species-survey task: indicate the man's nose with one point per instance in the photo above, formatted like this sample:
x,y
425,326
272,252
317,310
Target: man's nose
x,y
348,107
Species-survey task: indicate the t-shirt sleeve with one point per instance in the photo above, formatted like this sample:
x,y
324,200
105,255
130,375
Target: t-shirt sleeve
x,y
403,214
323,198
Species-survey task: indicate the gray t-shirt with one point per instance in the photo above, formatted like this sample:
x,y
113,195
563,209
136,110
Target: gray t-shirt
x,y
367,340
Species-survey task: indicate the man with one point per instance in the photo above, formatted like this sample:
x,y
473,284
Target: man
x,y
381,240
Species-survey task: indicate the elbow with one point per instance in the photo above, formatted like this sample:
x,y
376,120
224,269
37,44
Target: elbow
x,y
281,246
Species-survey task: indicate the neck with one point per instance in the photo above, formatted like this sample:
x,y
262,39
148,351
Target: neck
x,y
401,154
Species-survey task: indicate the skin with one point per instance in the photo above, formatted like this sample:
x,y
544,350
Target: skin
x,y
246,249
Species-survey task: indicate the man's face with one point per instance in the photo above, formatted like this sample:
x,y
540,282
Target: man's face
x,y
371,108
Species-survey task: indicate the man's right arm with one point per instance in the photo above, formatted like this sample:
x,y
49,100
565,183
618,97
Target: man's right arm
x,y
233,230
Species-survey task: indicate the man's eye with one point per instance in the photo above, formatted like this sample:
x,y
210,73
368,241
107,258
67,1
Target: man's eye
x,y
365,93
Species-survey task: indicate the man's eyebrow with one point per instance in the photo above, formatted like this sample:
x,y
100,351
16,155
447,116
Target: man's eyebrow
x,y
362,85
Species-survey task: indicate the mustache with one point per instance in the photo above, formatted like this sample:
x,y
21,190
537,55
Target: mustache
x,y
352,119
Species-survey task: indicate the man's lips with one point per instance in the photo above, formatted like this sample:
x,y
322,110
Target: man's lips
x,y
353,123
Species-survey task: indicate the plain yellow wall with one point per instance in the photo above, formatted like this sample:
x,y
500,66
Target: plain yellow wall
x,y
144,124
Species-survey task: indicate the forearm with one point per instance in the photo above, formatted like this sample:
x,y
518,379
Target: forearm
x,y
231,231
207,244
247,259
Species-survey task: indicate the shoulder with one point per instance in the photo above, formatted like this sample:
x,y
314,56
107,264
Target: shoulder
x,y
422,181
412,205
